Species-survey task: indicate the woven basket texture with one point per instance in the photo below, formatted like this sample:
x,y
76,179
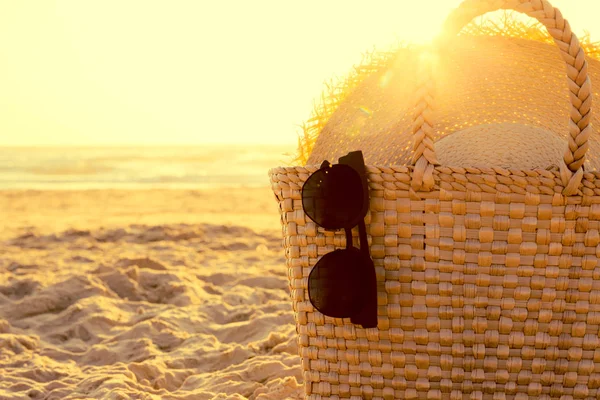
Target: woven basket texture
x,y
485,242
488,288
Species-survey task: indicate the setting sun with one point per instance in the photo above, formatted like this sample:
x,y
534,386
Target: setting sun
x,y
150,72
319,199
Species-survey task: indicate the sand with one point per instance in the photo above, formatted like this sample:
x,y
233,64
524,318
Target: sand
x,y
144,294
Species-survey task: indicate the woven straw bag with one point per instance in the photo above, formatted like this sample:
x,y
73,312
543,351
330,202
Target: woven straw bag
x,y
487,275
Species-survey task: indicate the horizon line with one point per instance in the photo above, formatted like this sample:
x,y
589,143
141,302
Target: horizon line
x,y
238,144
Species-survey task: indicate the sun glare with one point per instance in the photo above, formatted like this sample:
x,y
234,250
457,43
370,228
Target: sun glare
x,y
188,72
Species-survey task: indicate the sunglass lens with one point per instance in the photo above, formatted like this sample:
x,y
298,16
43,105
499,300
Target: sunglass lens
x,y
335,284
333,197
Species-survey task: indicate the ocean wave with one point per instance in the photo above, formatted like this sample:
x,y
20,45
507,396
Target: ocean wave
x,y
144,167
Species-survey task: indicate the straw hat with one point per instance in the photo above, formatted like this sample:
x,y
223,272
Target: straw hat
x,y
494,101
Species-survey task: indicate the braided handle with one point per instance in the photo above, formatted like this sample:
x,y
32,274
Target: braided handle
x,y
580,87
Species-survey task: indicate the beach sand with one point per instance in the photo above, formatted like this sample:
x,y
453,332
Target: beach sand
x,y
144,294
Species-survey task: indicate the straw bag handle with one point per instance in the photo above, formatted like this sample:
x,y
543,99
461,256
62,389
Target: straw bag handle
x,y
424,157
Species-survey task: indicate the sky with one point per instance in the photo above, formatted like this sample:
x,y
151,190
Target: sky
x,y
149,72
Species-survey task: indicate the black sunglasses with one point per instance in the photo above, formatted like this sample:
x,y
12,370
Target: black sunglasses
x,y
343,283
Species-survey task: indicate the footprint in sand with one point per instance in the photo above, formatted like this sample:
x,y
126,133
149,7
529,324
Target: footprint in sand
x,y
19,289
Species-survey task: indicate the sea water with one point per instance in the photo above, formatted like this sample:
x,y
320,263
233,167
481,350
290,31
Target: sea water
x,y
199,166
